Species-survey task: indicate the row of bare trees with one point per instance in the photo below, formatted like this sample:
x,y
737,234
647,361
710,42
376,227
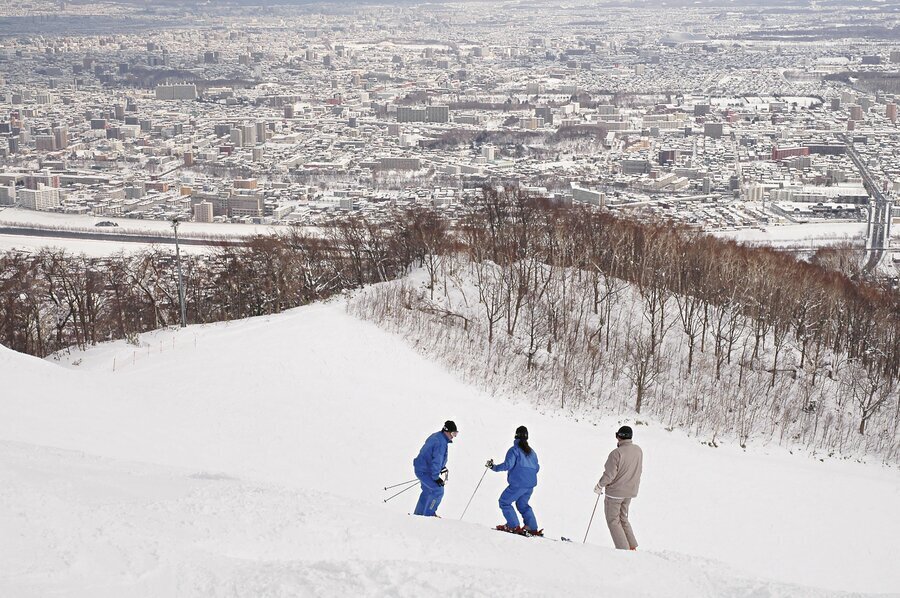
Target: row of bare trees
x,y
701,332
52,300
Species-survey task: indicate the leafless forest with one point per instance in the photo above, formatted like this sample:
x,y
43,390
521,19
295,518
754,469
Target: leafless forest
x,y
581,310
576,308
53,300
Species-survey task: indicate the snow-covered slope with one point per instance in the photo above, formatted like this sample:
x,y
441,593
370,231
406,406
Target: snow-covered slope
x,y
248,459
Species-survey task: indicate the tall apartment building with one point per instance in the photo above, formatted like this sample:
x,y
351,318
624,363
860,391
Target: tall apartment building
x,y
44,143
248,133
42,199
408,114
8,194
590,196
61,136
430,114
176,92
203,212
437,114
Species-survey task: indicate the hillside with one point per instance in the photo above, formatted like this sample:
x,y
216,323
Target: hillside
x,y
248,458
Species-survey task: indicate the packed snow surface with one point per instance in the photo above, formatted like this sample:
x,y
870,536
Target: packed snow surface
x,y
248,459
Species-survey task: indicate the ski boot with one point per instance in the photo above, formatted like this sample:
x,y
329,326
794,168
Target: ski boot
x,y
511,530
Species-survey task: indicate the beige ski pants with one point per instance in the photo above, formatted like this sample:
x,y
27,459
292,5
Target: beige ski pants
x,y
617,520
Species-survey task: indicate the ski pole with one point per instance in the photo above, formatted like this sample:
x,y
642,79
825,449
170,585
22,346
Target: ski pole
x,y
473,494
592,520
402,483
411,486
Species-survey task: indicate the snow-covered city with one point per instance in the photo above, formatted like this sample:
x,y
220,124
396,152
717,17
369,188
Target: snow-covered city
x,y
477,298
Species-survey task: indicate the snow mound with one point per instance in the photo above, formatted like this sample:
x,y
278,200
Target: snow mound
x,y
249,458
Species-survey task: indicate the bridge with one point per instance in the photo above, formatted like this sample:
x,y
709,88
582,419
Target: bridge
x,y
878,229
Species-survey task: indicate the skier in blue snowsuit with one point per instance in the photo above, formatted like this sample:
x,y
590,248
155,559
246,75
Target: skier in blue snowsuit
x,y
522,464
429,465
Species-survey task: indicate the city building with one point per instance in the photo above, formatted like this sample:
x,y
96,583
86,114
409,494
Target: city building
x,y
40,199
177,92
203,211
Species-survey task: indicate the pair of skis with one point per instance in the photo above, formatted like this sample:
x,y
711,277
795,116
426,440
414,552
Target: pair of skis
x,y
526,534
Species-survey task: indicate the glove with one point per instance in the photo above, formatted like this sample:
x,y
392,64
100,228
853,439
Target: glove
x,y
439,482
598,489
489,464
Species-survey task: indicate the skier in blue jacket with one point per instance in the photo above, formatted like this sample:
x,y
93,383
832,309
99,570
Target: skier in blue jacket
x,y
522,464
429,465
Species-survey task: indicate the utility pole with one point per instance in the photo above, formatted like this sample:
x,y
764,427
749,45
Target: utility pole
x,y
175,223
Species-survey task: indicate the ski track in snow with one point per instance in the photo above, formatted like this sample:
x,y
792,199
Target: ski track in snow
x,y
248,459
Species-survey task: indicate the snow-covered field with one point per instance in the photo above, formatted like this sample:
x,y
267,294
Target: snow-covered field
x,y
89,247
799,235
248,459
20,216
103,248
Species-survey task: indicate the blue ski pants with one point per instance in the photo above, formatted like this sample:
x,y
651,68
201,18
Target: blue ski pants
x,y
430,499
520,497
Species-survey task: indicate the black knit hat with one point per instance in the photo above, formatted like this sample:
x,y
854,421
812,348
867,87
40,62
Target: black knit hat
x,y
625,433
449,426
521,433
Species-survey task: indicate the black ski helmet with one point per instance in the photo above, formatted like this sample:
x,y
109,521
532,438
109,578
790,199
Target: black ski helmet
x,y
521,433
449,426
625,433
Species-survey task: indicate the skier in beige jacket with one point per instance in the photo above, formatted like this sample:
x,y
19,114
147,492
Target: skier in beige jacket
x,y
621,479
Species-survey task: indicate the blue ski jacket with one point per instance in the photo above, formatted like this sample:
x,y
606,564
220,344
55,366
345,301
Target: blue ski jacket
x,y
522,468
432,457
